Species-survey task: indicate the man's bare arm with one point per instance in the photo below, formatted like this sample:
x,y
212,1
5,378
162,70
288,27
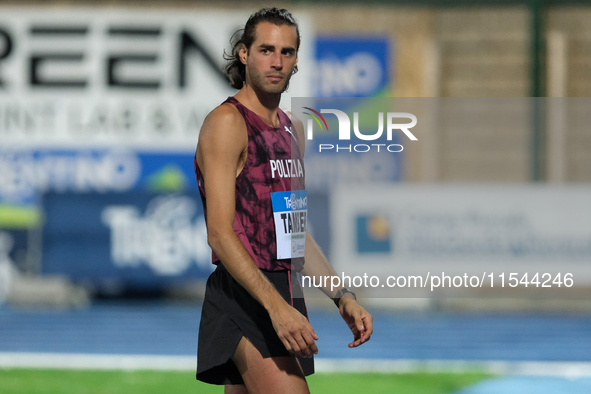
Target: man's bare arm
x,y
357,318
220,155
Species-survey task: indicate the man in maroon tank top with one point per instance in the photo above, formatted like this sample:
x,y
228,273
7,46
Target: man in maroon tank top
x,y
254,335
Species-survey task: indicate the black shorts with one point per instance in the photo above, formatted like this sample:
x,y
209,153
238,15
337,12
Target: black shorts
x,y
229,312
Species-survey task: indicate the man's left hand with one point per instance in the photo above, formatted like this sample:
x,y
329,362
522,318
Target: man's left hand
x,y
358,319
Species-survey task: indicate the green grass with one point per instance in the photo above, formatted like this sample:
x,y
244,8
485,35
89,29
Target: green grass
x,y
37,381
407,383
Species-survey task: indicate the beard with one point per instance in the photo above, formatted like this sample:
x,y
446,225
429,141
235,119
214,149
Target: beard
x,y
261,82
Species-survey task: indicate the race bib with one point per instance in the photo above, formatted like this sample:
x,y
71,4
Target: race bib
x,y
290,209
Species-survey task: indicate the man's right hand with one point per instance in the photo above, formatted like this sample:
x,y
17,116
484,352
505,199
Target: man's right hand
x,y
294,330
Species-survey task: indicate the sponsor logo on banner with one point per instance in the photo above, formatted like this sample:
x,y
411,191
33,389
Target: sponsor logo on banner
x,y
137,237
100,77
373,234
164,237
22,173
352,66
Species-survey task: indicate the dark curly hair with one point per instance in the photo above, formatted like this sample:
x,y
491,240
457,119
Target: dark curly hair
x,y
235,69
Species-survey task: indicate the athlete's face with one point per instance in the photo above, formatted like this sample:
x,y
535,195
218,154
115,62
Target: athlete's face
x,y
272,57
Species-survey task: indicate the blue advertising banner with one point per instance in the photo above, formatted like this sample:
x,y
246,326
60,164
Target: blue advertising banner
x,y
137,238
352,66
25,174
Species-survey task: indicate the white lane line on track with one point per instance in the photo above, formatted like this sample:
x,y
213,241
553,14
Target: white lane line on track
x,y
96,361
188,363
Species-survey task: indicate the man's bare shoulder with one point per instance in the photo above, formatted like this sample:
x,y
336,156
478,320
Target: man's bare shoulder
x,y
225,121
223,136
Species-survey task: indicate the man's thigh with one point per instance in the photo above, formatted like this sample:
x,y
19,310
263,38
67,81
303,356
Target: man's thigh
x,y
268,375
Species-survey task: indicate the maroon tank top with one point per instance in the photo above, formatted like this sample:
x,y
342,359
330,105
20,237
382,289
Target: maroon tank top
x,y
274,163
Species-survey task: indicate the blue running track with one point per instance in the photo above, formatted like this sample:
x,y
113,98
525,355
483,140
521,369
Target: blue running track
x,y
169,329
